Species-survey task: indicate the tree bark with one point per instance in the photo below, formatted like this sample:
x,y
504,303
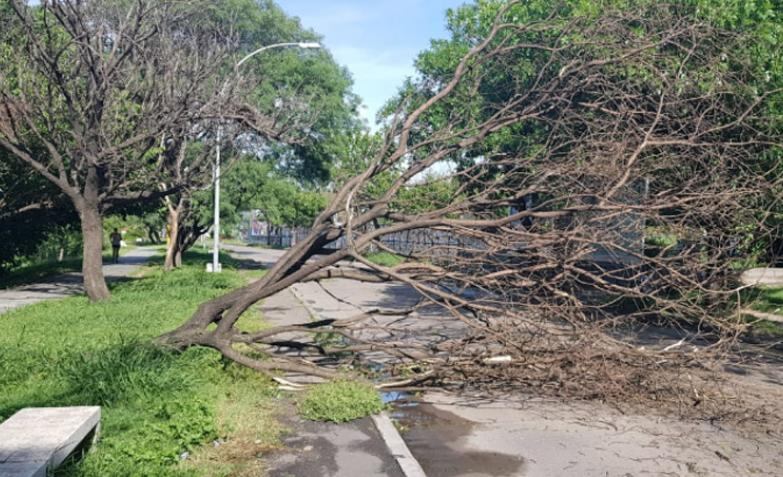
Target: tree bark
x,y
172,246
92,253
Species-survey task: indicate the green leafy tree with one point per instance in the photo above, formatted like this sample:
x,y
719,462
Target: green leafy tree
x,y
308,100
88,89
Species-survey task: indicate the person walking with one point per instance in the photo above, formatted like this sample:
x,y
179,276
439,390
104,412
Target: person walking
x,y
116,243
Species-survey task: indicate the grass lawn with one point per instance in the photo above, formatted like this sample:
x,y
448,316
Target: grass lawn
x,y
767,300
384,259
158,406
40,271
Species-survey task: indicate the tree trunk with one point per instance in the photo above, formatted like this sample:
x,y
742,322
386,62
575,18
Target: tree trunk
x,y
92,253
172,246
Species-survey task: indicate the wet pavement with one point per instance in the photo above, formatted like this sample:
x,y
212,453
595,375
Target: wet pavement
x,y
332,450
435,437
461,436
316,448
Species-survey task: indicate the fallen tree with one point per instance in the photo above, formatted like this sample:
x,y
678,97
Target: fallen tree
x,y
570,142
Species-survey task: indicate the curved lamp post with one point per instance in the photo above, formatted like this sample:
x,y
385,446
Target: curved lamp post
x,y
216,267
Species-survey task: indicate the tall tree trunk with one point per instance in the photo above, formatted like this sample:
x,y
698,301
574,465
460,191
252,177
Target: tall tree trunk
x,y
172,246
92,253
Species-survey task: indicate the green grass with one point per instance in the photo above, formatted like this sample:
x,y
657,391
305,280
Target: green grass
x,y
661,240
384,259
198,257
37,272
774,296
157,404
767,300
340,401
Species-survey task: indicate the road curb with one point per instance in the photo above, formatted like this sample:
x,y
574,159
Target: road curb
x,y
399,450
409,466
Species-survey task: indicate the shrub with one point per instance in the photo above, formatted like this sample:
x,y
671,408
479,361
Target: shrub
x,y
385,259
340,401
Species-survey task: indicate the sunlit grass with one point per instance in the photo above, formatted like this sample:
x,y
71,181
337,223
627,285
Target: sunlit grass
x,y
156,404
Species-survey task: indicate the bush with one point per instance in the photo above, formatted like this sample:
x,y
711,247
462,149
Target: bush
x,y
340,401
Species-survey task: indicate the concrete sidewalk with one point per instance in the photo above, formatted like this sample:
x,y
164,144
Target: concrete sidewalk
x,y
463,435
354,448
69,284
460,435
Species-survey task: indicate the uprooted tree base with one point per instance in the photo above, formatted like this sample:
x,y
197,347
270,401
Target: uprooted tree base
x,y
566,141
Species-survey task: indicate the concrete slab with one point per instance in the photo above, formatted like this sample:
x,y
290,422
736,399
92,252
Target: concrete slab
x,y
408,464
458,436
36,440
770,277
454,436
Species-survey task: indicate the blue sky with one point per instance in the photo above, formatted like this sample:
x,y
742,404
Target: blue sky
x,y
377,40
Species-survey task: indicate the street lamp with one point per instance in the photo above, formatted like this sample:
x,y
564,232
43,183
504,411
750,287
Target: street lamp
x,y
216,267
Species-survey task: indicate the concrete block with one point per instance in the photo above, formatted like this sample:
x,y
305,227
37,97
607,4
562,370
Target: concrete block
x,y
35,440
770,277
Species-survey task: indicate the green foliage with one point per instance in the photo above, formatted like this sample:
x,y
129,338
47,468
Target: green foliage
x,y
132,227
157,404
431,192
35,220
37,272
253,185
309,84
752,28
661,240
384,259
767,300
774,296
340,401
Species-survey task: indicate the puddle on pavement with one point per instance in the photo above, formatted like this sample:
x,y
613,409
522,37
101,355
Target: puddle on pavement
x,y
433,436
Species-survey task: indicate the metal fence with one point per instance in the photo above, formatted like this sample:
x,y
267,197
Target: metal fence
x,y
437,243
278,237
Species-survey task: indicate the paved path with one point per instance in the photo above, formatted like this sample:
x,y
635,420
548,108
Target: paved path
x,y
460,435
69,284
315,448
332,450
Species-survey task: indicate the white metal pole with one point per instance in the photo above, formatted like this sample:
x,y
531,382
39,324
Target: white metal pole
x,y
216,227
